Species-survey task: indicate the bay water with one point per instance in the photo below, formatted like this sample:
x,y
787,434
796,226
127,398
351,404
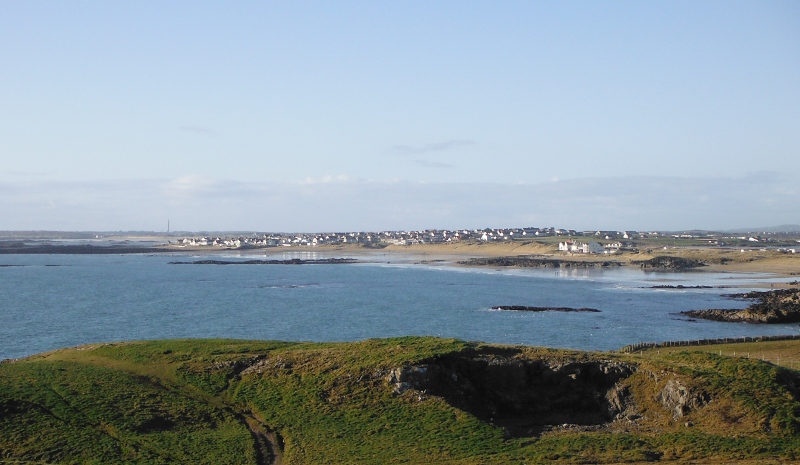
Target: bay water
x,y
54,301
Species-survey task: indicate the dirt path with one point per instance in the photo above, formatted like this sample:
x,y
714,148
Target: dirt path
x,y
266,442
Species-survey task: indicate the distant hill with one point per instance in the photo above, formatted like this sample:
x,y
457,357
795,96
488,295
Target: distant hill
x,y
787,228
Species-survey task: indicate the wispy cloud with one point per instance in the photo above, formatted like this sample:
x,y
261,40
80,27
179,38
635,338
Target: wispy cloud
x,y
189,183
343,203
197,129
28,173
187,187
434,147
432,164
327,179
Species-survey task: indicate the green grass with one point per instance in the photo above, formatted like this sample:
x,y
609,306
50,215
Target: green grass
x,y
320,403
68,412
182,401
758,387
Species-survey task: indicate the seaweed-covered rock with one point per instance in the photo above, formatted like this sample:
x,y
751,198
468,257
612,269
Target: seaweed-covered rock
x,y
523,261
523,308
664,262
778,306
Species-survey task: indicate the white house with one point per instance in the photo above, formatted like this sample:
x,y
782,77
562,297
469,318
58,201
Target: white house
x,y
581,247
593,247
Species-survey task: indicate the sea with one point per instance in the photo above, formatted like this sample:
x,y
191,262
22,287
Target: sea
x,y
54,301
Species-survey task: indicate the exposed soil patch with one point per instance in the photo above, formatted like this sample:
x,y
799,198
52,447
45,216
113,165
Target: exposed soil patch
x,y
267,443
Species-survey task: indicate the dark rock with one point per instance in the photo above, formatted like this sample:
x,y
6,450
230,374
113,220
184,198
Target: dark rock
x,y
778,306
664,262
523,308
679,286
681,400
293,261
78,249
522,395
523,261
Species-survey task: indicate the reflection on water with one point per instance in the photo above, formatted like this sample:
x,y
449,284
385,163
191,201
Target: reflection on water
x,y
304,255
573,273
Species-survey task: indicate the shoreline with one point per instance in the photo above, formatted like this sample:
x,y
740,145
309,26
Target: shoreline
x,y
777,264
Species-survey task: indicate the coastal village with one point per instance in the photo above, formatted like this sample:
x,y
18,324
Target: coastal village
x,y
428,236
591,242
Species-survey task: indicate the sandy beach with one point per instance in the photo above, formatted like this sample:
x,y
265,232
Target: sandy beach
x,y
779,264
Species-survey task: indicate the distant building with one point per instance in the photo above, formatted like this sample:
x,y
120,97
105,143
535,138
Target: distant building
x,y
581,247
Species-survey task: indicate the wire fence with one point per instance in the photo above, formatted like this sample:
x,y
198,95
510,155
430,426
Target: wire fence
x,y
705,342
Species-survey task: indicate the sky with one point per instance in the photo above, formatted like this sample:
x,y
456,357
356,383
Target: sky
x,y
329,116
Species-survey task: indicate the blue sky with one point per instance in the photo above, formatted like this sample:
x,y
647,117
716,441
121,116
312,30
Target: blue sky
x,y
372,115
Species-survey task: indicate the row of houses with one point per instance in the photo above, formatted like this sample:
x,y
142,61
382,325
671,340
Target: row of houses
x,y
428,236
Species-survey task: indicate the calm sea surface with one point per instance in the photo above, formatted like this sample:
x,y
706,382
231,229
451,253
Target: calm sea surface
x,y
54,301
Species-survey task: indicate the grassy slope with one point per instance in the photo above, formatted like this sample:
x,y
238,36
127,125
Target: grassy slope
x,y
178,401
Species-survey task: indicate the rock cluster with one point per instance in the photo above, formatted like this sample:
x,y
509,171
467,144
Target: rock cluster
x,y
523,261
520,394
681,400
778,306
523,308
293,261
665,262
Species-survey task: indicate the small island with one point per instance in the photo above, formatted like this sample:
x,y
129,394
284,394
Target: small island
x,y
657,263
669,263
523,308
522,261
293,261
679,286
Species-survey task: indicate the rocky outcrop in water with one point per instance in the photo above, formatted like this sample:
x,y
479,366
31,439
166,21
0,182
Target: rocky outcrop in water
x,y
293,261
78,249
523,308
664,262
778,306
533,262
679,286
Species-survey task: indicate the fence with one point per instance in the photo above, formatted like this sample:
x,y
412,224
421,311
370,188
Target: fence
x,y
705,342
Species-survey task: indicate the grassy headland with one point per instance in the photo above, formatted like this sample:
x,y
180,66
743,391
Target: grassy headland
x,y
400,400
